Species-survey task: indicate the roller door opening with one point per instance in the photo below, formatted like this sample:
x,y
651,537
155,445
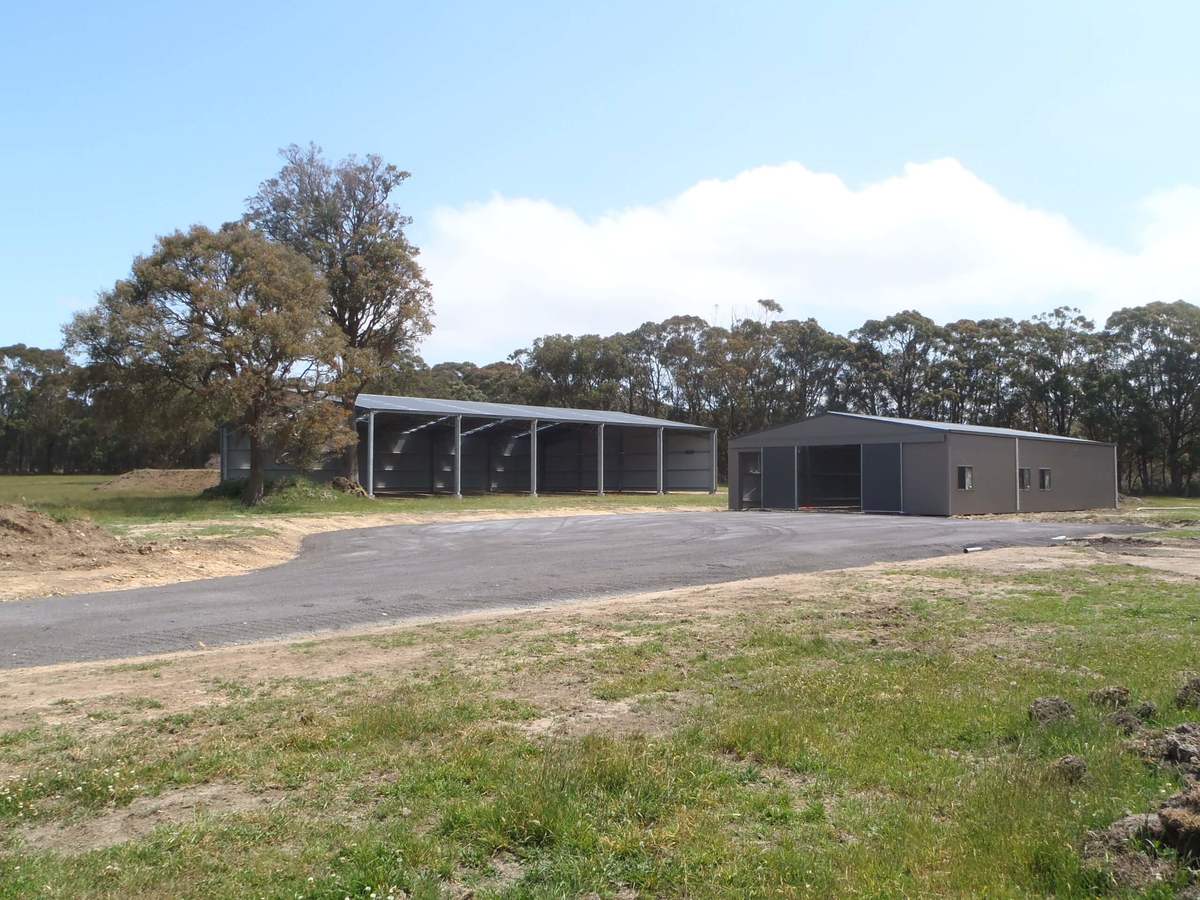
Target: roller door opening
x,y
829,477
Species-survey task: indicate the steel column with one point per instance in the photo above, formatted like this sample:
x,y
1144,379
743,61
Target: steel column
x,y
660,459
1116,480
458,457
533,460
1017,469
712,451
600,460
370,453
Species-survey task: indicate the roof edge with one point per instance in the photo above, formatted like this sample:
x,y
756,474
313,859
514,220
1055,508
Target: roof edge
x,y
501,410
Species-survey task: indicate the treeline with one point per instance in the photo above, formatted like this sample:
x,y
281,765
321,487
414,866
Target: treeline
x,y
315,292
1136,381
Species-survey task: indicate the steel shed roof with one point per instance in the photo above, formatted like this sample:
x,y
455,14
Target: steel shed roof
x,y
430,406
964,429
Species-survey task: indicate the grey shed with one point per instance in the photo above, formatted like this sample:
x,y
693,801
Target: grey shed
x,y
878,464
424,445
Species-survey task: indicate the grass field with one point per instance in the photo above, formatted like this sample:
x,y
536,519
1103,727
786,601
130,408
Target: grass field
x,y
69,496
66,496
845,734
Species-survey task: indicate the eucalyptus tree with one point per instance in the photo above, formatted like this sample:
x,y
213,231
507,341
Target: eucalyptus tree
x,y
237,323
1157,347
344,219
897,365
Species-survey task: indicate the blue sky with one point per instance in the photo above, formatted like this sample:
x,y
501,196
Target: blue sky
x,y
525,122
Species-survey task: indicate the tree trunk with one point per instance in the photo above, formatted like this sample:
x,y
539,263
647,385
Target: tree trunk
x,y
252,494
351,453
48,459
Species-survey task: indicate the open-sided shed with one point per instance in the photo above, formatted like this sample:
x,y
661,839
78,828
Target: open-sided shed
x,y
423,445
879,464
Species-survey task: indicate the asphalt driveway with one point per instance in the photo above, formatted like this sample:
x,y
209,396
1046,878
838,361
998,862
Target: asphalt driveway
x,y
380,575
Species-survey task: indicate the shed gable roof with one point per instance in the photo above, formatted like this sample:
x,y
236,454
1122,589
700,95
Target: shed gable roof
x,y
927,425
432,406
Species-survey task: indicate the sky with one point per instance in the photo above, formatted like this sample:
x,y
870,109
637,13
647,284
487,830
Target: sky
x,y
585,168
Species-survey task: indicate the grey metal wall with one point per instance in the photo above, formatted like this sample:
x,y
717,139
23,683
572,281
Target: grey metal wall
x,y
1083,476
779,477
882,477
689,462
926,484
994,460
834,430
236,462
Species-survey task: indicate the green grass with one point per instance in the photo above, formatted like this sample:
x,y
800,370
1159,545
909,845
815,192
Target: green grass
x,y
875,743
1175,510
73,496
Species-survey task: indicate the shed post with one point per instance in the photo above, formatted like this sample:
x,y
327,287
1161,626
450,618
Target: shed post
x,y
1116,480
533,460
371,453
1017,469
458,457
660,459
600,460
712,451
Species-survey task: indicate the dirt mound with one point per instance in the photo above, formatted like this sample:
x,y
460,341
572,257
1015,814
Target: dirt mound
x,y
1178,746
1114,695
187,481
30,538
1189,695
1051,711
1130,849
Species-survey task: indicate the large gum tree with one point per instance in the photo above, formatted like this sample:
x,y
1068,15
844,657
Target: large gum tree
x,y
235,321
344,219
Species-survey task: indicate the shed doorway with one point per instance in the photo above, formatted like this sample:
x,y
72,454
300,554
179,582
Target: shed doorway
x,y
829,476
749,479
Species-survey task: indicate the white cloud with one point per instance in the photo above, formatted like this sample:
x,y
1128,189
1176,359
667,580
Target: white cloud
x,y
936,238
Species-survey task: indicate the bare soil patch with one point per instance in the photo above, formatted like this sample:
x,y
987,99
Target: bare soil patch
x,y
158,553
190,481
33,541
575,715
145,814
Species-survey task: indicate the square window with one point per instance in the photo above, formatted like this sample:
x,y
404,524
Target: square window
x,y
1025,478
1043,479
966,478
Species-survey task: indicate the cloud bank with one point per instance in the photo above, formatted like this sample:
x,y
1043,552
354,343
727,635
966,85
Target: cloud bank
x,y
936,238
